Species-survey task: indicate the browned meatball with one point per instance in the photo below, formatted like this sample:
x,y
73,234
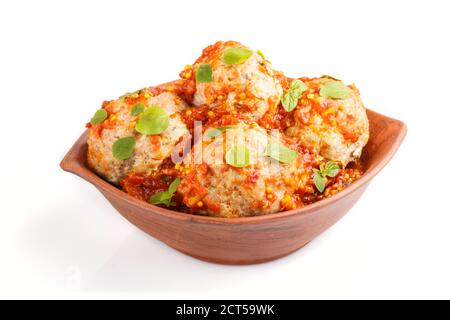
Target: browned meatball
x,y
150,150
262,185
246,85
336,128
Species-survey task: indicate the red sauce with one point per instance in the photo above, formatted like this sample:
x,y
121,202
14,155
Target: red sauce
x,y
144,186
209,117
192,196
215,50
278,119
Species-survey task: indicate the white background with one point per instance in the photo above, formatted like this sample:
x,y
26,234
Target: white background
x,y
59,238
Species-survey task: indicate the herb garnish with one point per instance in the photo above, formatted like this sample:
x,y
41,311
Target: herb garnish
x,y
129,94
153,121
329,169
335,90
99,116
234,56
281,153
165,197
259,52
326,76
137,109
290,98
124,148
215,132
238,156
204,73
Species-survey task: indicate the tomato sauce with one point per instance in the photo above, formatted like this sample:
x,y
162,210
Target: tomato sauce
x,y
192,196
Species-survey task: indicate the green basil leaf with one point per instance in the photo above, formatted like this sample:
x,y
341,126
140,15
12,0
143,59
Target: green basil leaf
x,y
320,182
204,73
331,169
153,121
335,90
290,99
99,116
215,132
296,89
289,103
238,156
137,109
163,197
326,76
322,168
174,186
261,54
130,93
281,153
124,148
234,56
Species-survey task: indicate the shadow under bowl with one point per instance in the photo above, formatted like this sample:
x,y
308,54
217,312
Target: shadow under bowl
x,y
248,240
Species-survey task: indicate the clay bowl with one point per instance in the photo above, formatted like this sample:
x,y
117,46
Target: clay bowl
x,y
246,240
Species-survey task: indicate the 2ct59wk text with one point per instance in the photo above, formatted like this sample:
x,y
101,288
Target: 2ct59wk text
x,y
233,309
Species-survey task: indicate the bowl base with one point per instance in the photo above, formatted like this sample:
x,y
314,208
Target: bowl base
x,y
241,262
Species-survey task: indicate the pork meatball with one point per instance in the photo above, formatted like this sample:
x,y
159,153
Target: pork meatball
x,y
216,186
242,80
150,150
331,119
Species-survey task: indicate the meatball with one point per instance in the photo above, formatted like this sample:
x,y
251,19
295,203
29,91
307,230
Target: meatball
x,y
330,119
150,150
212,186
242,81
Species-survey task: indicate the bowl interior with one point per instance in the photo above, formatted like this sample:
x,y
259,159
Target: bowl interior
x,y
386,135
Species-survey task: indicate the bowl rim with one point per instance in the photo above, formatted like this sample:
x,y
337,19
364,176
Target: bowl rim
x,y
70,163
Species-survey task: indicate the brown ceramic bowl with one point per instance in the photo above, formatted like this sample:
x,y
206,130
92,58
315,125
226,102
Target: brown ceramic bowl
x,y
246,240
